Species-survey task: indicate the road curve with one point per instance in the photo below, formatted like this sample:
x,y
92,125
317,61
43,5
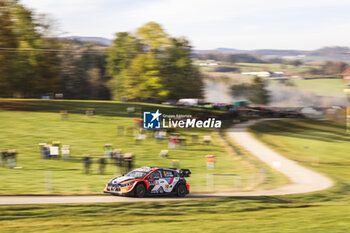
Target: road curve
x,y
302,180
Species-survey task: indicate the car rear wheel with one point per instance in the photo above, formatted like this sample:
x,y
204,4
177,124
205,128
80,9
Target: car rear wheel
x,y
140,190
181,190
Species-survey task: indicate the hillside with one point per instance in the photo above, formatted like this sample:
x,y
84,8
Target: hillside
x,y
334,53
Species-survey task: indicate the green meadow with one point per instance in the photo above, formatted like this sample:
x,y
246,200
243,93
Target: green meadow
x,y
25,124
319,145
324,87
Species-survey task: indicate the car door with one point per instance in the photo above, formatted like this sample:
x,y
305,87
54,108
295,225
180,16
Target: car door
x,y
169,180
153,181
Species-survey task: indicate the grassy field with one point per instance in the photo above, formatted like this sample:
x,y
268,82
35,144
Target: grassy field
x,y
324,87
24,130
325,211
227,77
250,67
320,86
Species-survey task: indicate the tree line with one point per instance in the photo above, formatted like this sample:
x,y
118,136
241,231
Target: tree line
x,y
231,58
147,63
25,68
328,68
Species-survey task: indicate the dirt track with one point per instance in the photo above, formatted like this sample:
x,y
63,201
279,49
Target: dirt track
x,y
302,180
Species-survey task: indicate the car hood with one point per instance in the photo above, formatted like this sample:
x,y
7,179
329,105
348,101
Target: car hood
x,y
121,179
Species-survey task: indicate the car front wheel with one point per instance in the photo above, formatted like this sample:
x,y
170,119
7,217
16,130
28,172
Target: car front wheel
x,y
140,190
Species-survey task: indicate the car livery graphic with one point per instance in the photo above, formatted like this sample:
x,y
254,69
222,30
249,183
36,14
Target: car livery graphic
x,y
150,181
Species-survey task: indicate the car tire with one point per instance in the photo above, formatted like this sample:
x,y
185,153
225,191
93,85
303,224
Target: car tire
x,y
181,190
140,190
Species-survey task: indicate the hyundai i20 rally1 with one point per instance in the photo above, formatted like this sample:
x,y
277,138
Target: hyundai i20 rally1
x,y
150,181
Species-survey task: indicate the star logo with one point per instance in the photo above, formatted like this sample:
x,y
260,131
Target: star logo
x,y
155,115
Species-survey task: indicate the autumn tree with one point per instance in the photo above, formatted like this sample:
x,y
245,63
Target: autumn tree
x,y
124,49
7,41
149,63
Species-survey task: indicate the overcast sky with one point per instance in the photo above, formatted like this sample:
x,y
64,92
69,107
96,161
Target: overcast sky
x,y
242,24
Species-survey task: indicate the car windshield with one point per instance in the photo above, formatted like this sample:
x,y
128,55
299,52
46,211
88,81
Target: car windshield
x,y
136,174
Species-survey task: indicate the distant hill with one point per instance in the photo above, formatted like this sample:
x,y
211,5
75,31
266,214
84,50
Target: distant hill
x,y
330,50
335,53
99,40
278,52
223,50
331,53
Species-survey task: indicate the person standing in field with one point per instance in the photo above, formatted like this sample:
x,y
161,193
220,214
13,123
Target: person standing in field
x,y
3,158
87,163
102,162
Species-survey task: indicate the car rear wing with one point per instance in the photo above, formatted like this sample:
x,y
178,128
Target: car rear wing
x,y
184,172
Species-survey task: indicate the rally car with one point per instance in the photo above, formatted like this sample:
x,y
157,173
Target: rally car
x,y
150,181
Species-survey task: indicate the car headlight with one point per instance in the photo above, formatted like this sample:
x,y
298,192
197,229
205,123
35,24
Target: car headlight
x,y
127,184
115,181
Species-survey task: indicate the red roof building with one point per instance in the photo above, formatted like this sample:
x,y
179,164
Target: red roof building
x,y
346,74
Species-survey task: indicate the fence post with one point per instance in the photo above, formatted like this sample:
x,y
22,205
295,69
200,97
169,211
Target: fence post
x,y
238,182
48,181
252,180
210,182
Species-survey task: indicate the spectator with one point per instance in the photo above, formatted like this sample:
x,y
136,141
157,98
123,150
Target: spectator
x,y
3,158
108,149
65,151
117,157
102,162
46,151
128,161
173,141
87,163
41,147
